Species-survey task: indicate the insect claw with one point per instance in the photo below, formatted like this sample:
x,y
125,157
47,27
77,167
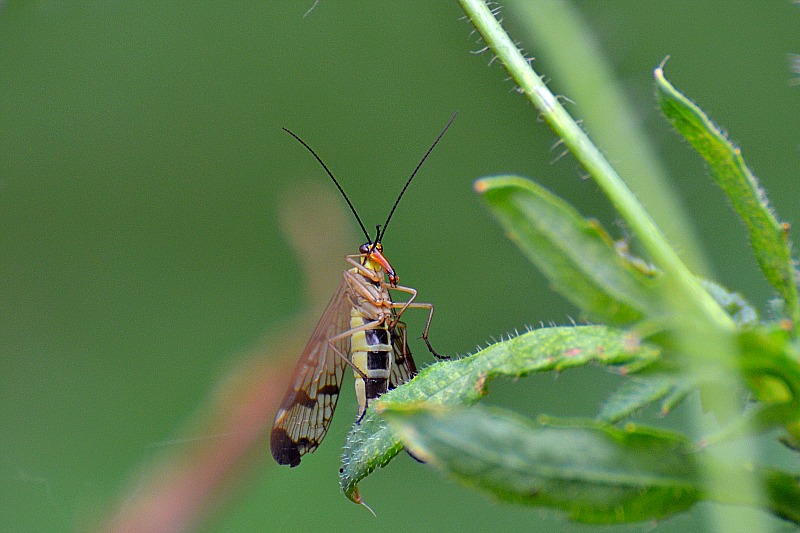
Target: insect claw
x,y
436,354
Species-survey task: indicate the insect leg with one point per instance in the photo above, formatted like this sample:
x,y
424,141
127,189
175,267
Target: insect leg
x,y
410,303
363,390
402,306
364,271
350,333
373,298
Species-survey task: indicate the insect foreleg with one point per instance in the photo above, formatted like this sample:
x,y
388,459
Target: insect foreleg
x,y
364,271
373,298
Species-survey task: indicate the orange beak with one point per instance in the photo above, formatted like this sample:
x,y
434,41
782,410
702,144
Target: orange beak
x,y
379,258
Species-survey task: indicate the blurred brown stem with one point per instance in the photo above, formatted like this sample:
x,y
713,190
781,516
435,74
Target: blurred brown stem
x,y
185,487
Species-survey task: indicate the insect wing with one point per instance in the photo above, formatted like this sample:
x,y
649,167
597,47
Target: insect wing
x,y
403,367
307,409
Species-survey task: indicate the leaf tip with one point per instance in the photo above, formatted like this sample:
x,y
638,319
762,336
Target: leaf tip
x,y
480,186
659,71
354,496
369,509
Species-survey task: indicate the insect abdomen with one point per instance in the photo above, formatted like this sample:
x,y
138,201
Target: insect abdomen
x,y
371,353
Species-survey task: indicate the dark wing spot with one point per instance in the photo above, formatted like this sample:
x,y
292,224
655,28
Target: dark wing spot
x,y
284,449
301,397
328,390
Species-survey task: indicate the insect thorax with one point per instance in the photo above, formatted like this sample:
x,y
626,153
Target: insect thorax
x,y
370,297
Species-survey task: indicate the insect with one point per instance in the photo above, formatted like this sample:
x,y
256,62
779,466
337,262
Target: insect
x,y
361,329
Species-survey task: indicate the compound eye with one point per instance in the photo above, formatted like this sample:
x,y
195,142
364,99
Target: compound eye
x,y
364,248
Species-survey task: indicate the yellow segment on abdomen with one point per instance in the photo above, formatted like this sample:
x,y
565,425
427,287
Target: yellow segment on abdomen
x,y
362,350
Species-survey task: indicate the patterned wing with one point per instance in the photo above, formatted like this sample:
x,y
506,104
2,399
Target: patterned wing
x,y
403,367
307,409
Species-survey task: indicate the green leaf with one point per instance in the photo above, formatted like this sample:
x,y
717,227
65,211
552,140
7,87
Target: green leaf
x,y
371,444
770,365
595,472
637,393
783,493
575,254
768,237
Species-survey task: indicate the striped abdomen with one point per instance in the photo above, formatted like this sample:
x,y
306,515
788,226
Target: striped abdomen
x,y
371,353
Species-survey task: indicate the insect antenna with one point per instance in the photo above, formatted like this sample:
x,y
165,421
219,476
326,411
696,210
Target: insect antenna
x,y
349,203
408,182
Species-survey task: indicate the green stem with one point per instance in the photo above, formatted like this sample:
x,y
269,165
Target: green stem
x,y
684,289
559,32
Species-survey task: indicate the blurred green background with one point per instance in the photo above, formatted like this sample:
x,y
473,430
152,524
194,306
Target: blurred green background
x,y
142,257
